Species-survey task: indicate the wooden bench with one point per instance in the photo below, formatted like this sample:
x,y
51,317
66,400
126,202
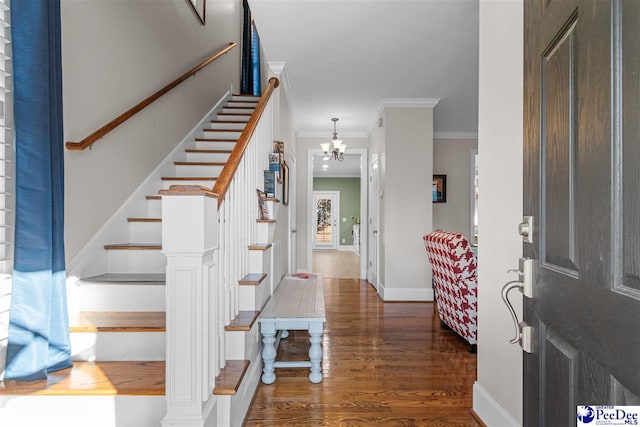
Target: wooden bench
x,y
297,304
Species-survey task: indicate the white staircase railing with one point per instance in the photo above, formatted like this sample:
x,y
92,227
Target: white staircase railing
x,y
206,238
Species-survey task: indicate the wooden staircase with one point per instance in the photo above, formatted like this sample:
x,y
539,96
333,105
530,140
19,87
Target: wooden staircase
x,y
118,331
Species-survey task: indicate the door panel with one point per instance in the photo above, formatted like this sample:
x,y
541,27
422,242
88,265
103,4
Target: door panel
x,y
582,186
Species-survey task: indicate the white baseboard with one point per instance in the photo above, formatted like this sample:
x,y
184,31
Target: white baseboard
x,y
404,294
345,248
489,410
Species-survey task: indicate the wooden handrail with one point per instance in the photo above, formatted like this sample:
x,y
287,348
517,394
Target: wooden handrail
x,y
224,180
92,138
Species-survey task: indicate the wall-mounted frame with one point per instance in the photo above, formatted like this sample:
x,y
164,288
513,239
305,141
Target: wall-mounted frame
x,y
199,7
285,183
439,189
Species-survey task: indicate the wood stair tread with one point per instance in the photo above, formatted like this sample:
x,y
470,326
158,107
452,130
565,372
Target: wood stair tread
x,y
234,114
118,321
259,246
189,178
140,219
153,197
134,246
96,379
199,163
243,322
215,140
252,279
229,122
266,221
194,150
128,278
230,378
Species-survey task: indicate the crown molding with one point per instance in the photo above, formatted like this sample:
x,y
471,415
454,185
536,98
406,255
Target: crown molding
x,y
310,133
279,70
399,103
409,102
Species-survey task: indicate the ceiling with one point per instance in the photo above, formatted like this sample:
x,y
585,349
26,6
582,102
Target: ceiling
x,y
345,58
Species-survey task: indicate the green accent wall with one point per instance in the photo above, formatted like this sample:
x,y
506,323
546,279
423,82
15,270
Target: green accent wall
x,y
349,189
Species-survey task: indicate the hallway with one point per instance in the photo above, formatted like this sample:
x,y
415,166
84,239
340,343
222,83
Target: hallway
x,y
384,364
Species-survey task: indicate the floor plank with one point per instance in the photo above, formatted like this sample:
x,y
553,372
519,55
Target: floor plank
x,y
385,364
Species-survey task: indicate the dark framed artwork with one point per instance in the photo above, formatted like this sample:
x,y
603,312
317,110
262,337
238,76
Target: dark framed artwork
x,y
285,183
439,189
199,7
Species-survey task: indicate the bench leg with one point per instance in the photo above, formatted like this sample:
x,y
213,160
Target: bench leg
x,y
315,353
268,352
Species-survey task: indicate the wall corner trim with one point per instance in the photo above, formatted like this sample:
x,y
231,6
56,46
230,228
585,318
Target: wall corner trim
x,y
489,410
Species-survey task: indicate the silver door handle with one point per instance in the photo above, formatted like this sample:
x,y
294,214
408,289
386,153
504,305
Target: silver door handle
x,y
505,297
524,333
294,231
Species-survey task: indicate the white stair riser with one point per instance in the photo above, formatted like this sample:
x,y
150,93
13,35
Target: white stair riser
x,y
240,103
207,157
203,183
136,261
254,297
116,297
198,170
117,346
263,230
228,126
233,117
154,208
242,345
215,145
259,261
237,110
225,134
80,411
145,232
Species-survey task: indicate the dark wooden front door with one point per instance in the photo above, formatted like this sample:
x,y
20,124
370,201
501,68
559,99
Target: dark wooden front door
x,y
582,186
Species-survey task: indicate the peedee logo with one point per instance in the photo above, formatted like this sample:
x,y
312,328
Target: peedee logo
x,y
608,415
586,414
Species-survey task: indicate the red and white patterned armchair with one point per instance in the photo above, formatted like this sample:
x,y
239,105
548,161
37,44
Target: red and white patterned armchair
x,y
454,282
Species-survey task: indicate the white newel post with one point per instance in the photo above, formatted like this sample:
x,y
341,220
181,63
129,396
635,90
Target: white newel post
x,y
190,240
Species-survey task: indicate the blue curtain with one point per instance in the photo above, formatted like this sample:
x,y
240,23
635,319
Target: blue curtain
x,y
39,325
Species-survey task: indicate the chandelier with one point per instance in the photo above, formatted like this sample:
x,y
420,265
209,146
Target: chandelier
x,y
334,149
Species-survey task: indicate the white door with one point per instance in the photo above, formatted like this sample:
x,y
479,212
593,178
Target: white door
x,y
374,192
325,219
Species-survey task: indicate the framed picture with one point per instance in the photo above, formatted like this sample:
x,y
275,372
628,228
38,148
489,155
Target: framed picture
x,y
263,211
285,184
199,7
439,189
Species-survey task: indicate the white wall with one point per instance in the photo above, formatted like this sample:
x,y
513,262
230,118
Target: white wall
x,y
116,53
498,391
406,196
452,157
284,131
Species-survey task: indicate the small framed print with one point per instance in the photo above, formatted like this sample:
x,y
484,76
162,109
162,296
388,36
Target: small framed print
x,y
439,189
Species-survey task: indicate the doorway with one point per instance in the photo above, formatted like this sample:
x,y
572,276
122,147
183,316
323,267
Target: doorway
x,y
355,168
326,214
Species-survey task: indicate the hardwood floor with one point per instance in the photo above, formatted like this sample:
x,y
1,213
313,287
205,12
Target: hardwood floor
x,y
336,264
385,364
